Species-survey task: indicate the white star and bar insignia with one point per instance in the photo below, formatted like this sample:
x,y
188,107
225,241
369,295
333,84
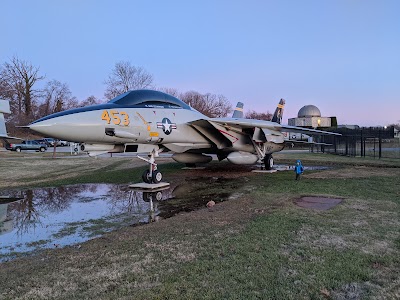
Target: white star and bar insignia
x,y
166,126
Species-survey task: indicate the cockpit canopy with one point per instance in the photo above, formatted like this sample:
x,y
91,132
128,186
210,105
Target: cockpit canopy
x,y
148,98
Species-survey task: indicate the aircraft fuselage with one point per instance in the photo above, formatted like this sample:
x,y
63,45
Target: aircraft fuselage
x,y
111,125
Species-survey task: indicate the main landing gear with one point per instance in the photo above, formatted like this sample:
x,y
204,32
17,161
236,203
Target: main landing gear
x,y
268,162
151,175
266,159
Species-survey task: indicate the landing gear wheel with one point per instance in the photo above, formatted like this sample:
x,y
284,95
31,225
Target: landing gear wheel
x,y
268,162
152,196
146,176
147,196
151,175
158,196
157,176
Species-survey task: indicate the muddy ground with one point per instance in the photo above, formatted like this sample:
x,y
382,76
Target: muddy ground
x,y
258,244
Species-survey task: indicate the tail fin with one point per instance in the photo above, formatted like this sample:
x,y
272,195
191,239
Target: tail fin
x,y
4,108
238,112
277,118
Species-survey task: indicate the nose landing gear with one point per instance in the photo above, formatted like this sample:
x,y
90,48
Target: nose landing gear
x,y
151,175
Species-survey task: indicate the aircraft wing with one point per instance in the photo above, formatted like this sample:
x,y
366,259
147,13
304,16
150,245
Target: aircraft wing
x,y
250,123
305,142
226,132
246,123
5,136
296,129
212,131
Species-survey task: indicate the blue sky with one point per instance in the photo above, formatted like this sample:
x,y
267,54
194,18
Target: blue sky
x,y
342,56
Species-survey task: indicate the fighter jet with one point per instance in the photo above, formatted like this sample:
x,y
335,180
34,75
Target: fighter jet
x,y
151,121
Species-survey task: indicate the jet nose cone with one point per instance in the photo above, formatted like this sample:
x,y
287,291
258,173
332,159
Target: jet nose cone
x,y
40,127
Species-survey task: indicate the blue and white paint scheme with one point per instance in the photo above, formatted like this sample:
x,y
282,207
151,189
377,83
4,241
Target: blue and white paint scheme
x,y
152,121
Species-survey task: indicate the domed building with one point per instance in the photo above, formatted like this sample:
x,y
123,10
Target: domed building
x,y
310,116
309,111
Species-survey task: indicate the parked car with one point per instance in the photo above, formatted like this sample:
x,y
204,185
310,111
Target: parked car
x,y
43,142
50,142
62,143
26,145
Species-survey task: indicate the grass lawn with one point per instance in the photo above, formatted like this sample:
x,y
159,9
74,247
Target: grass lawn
x,y
257,245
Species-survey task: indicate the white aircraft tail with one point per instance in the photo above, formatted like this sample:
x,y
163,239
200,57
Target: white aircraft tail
x,y
4,109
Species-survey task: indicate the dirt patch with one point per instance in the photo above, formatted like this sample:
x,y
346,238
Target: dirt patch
x,y
318,203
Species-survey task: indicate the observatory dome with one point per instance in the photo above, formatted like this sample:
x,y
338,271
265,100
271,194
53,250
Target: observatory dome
x,y
309,111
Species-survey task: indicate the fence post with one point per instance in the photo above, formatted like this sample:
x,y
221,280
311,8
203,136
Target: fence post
x,y
374,147
363,144
335,143
380,144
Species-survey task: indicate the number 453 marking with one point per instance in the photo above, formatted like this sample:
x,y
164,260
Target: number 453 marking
x,y
115,116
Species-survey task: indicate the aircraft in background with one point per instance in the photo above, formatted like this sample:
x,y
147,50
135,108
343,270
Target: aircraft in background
x,y
4,109
151,121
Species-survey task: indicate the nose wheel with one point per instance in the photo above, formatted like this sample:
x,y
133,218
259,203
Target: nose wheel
x,y
151,175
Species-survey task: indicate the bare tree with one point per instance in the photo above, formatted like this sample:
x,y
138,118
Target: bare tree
x,y
55,94
91,100
259,116
5,91
18,79
71,103
125,77
170,91
208,104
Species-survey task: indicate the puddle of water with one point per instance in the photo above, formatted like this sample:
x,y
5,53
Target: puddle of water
x,y
291,168
306,168
318,203
56,217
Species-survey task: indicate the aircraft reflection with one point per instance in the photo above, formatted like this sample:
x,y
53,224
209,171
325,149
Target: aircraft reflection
x,y
53,217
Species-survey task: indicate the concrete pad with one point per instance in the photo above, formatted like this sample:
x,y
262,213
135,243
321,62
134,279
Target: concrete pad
x,y
264,171
286,168
150,186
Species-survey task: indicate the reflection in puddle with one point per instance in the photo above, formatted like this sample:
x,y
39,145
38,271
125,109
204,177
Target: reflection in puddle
x,y
56,217
306,167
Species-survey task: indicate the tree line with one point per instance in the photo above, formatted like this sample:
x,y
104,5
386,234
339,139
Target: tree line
x,y
19,81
